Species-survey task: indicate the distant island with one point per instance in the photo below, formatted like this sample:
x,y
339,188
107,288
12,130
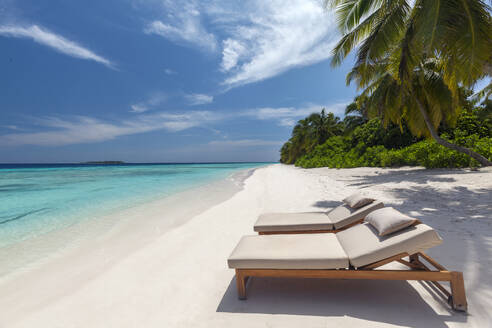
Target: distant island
x,y
104,162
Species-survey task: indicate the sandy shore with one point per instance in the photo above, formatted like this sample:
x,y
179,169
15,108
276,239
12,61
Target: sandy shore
x,y
173,271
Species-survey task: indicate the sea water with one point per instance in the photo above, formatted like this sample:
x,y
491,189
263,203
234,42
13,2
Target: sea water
x,y
37,199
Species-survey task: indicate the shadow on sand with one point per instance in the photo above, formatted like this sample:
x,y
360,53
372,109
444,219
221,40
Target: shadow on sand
x,y
326,204
418,175
392,302
466,247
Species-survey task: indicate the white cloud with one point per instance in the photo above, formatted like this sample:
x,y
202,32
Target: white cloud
x,y
287,116
54,41
199,99
259,39
245,143
53,131
169,71
280,35
11,127
82,129
151,102
232,51
183,22
287,122
139,108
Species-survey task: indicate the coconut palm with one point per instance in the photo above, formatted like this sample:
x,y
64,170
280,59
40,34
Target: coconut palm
x,y
300,142
324,125
458,31
355,114
423,103
405,47
308,133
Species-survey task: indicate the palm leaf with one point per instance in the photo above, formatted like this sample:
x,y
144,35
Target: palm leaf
x,y
385,33
460,31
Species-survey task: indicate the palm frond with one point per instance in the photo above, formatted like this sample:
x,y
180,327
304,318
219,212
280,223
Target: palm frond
x,y
351,39
461,33
350,13
387,31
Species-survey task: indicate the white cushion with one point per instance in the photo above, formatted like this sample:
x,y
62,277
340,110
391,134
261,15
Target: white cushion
x,y
336,218
344,215
364,246
308,251
388,220
303,221
357,200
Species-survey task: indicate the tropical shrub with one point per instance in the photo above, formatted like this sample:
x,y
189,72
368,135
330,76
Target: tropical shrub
x,y
337,153
322,140
373,133
415,59
308,133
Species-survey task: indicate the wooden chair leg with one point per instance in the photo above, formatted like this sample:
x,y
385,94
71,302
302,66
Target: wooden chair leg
x,y
414,258
458,297
241,285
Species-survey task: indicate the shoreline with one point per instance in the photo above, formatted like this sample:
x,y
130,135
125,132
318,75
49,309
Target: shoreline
x,y
117,228
181,279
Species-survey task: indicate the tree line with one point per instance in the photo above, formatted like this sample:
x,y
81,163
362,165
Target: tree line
x,y
413,59
323,139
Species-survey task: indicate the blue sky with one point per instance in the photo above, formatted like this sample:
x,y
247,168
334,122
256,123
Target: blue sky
x,y
162,81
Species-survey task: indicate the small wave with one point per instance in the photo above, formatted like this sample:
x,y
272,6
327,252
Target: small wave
x,y
16,186
20,216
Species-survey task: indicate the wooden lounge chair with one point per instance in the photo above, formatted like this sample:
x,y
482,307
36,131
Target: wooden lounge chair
x,y
334,220
354,253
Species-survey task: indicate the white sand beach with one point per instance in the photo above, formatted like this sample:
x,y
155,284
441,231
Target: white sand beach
x,y
170,269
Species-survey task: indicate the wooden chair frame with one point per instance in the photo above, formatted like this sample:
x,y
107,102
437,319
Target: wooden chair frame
x,y
418,271
298,232
295,232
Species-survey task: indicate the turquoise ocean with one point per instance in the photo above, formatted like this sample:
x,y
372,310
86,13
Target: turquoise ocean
x,y
39,198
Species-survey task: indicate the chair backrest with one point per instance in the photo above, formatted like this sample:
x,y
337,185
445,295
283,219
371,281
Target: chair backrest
x,y
344,215
364,246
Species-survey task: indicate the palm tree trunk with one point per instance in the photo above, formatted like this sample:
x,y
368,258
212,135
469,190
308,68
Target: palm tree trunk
x,y
481,159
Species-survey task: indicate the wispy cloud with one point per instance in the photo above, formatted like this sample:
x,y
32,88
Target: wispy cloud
x,y
155,99
55,131
54,41
258,39
183,23
278,35
287,116
232,52
169,71
287,122
139,108
11,127
199,99
82,129
245,143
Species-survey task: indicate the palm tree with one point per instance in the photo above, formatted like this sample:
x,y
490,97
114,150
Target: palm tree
x,y
458,31
323,126
423,103
355,114
285,152
358,107
301,140
405,48
308,133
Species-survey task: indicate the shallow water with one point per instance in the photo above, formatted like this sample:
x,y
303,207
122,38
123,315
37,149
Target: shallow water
x,y
37,199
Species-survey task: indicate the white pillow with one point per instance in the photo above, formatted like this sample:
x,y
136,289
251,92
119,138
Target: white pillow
x,y
357,200
388,220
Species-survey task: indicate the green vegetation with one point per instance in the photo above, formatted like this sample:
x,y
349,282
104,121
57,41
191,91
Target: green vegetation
x,y
323,140
413,61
